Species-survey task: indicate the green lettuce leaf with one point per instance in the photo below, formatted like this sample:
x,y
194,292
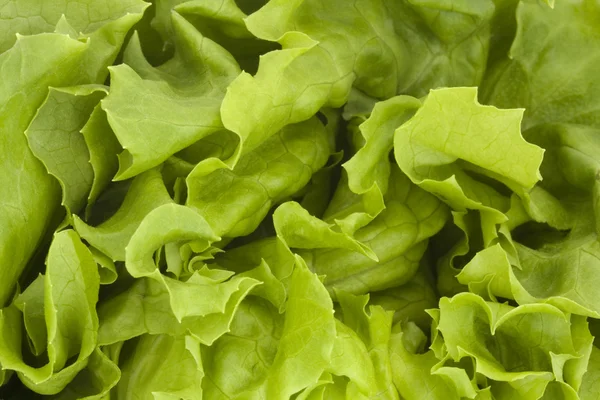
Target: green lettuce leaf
x,y
541,81
563,275
246,353
409,301
147,192
25,217
410,210
81,61
373,327
275,356
32,17
70,291
419,375
95,381
298,199
524,348
591,380
144,101
434,153
567,132
54,137
235,201
370,165
103,148
381,42
161,367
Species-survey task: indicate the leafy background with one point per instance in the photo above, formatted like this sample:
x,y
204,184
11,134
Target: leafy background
x,y
299,199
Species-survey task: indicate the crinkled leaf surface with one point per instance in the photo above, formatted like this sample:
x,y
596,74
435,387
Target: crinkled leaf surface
x,y
145,102
54,137
70,292
298,199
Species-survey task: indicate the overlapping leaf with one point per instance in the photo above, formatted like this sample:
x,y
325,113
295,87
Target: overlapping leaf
x,y
261,209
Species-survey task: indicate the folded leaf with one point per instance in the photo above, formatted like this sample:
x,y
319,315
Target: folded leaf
x,y
370,165
58,143
145,101
95,381
161,367
397,237
413,373
440,154
103,148
271,355
298,229
526,347
538,61
373,327
70,293
147,192
409,301
25,221
235,201
33,17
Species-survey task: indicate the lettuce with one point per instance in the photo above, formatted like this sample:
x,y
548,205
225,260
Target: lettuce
x,y
298,199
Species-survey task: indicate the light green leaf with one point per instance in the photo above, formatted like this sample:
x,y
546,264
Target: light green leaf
x,y
373,327
458,243
307,338
31,305
445,44
270,288
106,267
370,165
142,308
409,301
207,316
351,211
562,111
550,66
397,236
413,372
29,17
94,382
590,388
562,275
165,224
508,344
144,102
276,102
576,368
223,22
268,355
28,67
350,46
316,195
298,229
273,251
146,193
70,293
235,201
150,307
103,148
350,358
238,363
161,367
440,154
54,137
390,47
29,197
